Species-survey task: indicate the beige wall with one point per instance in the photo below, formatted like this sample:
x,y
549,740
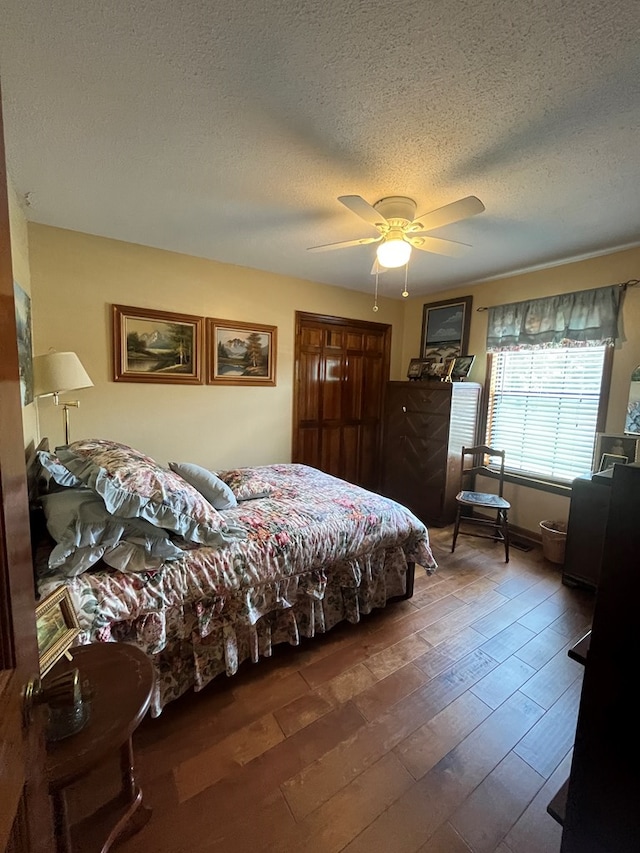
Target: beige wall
x,y
75,279
531,506
21,275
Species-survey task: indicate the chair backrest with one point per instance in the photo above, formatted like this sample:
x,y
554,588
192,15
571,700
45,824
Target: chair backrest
x,y
476,460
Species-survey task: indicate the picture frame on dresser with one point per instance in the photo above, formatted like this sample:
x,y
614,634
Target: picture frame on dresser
x,y
457,369
620,445
445,328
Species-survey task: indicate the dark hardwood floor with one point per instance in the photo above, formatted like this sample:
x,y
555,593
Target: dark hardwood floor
x,y
442,725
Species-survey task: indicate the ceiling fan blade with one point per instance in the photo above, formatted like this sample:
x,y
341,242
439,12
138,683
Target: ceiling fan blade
x,y
363,209
328,246
437,245
454,212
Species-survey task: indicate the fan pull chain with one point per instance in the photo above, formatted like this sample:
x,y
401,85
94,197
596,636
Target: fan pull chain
x,y
405,292
375,298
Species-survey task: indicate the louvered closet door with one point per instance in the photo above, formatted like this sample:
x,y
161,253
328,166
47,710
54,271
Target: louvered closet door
x,y
341,371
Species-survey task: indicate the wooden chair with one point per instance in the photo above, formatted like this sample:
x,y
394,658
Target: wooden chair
x,y
468,500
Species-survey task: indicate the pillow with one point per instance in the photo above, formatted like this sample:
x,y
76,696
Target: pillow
x,y
61,475
134,485
77,561
245,485
124,556
207,483
85,531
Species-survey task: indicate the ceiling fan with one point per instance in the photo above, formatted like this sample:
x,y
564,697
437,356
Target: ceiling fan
x,y
400,229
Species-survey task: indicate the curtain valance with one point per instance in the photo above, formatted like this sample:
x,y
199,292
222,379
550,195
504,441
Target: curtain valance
x,y
583,318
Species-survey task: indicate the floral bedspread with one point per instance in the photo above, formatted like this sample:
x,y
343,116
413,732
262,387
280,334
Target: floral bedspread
x,y
318,550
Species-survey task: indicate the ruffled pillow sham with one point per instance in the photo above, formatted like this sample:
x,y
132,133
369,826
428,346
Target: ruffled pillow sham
x,y
133,485
245,484
57,471
210,486
85,532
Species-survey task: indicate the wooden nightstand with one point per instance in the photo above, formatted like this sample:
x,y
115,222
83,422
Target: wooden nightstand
x,y
121,679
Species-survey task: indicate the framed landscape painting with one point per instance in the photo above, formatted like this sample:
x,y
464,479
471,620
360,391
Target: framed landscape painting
x,y
23,334
445,328
57,627
156,346
241,353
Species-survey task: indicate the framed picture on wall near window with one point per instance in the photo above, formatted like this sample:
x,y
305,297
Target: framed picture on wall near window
x,y
445,328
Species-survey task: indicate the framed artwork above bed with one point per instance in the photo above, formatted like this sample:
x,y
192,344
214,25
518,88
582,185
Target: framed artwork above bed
x,y
240,353
156,346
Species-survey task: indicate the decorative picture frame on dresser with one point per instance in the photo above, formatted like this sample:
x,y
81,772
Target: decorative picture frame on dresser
x,y
608,460
156,346
622,446
445,327
424,368
457,369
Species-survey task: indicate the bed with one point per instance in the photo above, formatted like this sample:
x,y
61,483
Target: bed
x,y
204,570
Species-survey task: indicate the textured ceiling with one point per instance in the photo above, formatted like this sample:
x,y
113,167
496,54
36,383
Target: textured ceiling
x,y
227,130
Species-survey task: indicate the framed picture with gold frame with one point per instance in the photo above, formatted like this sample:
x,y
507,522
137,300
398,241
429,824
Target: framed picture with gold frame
x,y
56,627
156,346
241,353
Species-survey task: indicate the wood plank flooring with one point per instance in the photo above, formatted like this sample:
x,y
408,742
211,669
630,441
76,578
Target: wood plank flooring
x,y
439,725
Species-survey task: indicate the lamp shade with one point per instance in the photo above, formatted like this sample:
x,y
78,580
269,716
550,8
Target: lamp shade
x,y
393,252
56,372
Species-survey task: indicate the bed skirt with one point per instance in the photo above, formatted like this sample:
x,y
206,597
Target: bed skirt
x,y
190,646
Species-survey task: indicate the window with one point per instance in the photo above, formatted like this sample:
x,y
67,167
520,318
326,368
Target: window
x,y
545,407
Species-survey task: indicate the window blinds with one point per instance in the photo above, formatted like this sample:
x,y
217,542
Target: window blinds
x,y
543,409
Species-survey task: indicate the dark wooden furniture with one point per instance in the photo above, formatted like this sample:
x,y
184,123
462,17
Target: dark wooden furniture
x,y
426,424
558,805
120,678
601,814
586,530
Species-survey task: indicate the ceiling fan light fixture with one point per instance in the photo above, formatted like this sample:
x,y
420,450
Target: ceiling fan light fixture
x,y
394,251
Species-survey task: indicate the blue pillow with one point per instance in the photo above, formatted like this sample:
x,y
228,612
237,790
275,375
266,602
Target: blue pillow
x,y
133,485
210,486
86,531
60,474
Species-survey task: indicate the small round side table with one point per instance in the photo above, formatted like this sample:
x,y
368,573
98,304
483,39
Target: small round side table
x,y
121,679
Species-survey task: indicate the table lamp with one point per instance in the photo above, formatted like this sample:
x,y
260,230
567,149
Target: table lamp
x,y
55,373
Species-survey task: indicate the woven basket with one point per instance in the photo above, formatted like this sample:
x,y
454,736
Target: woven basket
x,y
554,539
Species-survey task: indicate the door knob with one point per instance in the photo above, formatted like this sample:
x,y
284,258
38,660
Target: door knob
x,y
61,690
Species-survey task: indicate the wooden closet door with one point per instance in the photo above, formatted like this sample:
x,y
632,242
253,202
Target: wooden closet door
x,y
341,369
